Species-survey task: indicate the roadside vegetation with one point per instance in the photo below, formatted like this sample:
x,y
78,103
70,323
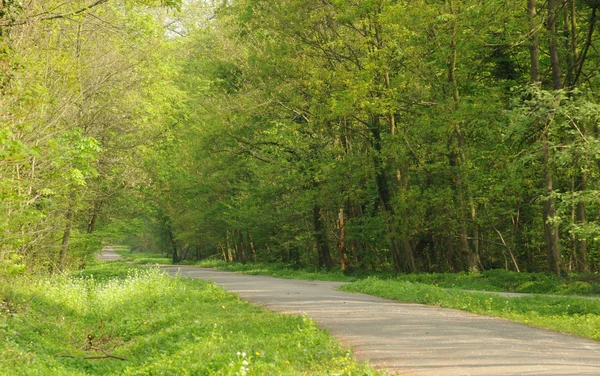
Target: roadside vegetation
x,y
496,280
571,313
119,319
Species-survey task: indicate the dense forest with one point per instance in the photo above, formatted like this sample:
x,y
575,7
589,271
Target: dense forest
x,y
416,136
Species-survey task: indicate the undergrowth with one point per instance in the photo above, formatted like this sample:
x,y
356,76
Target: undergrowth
x,y
117,319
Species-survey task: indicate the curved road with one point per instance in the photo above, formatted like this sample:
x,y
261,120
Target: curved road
x,y
413,339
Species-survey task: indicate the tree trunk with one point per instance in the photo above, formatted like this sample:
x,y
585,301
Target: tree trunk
x,y
581,252
342,240
468,211
93,220
173,245
242,247
554,59
534,47
67,233
252,248
549,211
383,192
570,41
323,255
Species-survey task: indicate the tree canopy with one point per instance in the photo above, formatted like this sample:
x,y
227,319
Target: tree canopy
x,y
453,135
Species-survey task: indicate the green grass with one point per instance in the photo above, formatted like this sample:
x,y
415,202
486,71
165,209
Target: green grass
x,y
507,281
143,258
159,325
571,315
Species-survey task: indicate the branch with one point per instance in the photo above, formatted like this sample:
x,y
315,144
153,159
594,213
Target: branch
x,y
105,356
586,47
55,16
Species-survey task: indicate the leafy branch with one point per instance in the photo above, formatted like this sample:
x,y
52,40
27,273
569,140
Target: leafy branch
x,y
40,17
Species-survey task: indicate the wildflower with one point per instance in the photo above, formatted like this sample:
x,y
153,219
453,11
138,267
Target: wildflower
x,y
245,362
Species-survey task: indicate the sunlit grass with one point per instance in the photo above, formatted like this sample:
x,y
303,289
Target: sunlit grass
x,y
571,315
117,319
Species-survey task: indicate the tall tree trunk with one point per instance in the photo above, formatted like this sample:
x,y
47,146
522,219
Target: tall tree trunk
x,y
383,192
402,261
570,39
468,211
554,58
173,245
252,248
67,232
92,225
549,214
323,255
242,247
549,209
581,251
534,47
342,240
229,256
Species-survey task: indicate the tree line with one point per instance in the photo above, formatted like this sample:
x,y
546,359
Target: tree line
x,y
417,136
80,88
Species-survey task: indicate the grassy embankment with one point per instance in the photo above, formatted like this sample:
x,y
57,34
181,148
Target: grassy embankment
x,y
118,319
569,314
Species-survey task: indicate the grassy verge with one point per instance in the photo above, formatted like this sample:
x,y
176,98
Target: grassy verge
x,y
142,258
571,315
116,319
507,281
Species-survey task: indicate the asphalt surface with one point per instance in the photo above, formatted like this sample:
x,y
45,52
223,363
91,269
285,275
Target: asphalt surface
x,y
413,339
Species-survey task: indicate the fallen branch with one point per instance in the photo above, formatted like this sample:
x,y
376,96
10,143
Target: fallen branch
x,y
105,356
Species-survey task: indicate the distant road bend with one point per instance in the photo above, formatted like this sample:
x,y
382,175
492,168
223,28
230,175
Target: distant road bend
x,y
413,339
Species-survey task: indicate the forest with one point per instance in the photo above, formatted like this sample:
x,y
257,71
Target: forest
x,y
402,135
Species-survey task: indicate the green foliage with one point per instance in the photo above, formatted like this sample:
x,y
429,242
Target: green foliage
x,y
508,281
74,121
238,130
160,325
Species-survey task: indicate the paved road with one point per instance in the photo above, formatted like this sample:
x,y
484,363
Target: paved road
x,y
108,254
413,339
